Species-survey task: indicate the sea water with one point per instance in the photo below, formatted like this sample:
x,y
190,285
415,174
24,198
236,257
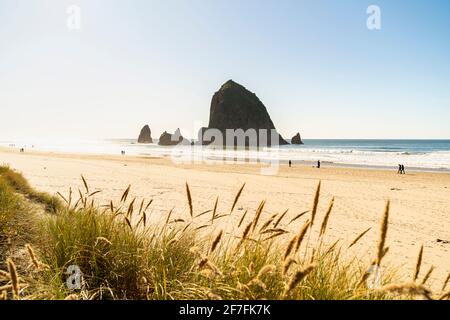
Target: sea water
x,y
414,154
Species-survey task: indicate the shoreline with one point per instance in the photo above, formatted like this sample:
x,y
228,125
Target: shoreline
x,y
229,160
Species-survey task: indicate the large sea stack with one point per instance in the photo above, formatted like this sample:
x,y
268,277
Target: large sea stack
x,y
234,107
146,135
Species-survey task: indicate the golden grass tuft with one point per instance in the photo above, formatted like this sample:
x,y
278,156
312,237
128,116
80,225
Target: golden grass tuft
x,y
410,288
247,230
267,269
289,247
418,264
125,194
268,223
298,216
383,234
427,275
278,221
14,278
258,214
287,264
297,278
362,234
214,211
242,218
315,203
236,198
301,235
216,241
85,184
323,227
33,257
189,198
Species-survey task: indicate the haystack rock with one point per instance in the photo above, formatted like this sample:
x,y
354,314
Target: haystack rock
x,y
297,139
168,139
235,107
146,135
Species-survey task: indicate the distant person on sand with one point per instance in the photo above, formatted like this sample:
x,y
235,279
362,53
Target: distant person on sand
x,y
401,169
290,163
318,164
22,150
123,152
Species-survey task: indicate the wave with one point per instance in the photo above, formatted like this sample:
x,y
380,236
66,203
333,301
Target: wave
x,y
439,160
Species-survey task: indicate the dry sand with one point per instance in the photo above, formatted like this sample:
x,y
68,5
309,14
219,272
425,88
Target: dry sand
x,y
420,202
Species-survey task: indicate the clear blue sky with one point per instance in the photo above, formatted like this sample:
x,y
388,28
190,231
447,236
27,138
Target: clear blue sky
x,y
314,64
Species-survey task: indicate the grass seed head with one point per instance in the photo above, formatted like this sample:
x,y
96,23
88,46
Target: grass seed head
x,y
418,264
236,198
315,203
297,278
323,227
383,234
362,234
216,241
14,278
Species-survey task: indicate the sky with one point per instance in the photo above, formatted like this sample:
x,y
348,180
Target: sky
x,y
315,65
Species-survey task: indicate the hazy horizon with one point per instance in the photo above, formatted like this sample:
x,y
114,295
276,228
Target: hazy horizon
x,y
314,64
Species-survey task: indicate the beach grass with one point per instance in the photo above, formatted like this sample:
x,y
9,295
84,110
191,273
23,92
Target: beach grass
x,y
121,254
16,181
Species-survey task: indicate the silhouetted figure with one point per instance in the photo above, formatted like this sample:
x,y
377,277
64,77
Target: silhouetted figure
x,y
399,169
318,164
290,163
123,152
403,169
22,150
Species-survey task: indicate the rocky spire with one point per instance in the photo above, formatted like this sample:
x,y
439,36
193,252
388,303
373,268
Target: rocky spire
x,y
146,135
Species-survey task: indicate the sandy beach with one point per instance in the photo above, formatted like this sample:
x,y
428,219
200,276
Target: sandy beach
x,y
420,201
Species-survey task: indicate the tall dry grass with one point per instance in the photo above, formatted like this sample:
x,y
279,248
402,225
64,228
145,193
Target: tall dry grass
x,y
16,181
124,254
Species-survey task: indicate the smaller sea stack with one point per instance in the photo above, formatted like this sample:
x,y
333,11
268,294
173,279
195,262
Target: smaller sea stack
x,y
146,135
297,139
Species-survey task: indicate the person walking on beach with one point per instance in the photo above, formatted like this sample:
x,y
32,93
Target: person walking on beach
x,y
290,163
399,169
318,164
403,169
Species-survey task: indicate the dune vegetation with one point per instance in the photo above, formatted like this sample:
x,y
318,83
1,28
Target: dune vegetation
x,y
71,247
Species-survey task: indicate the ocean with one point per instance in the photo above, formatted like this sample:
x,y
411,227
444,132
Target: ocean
x,y
427,155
